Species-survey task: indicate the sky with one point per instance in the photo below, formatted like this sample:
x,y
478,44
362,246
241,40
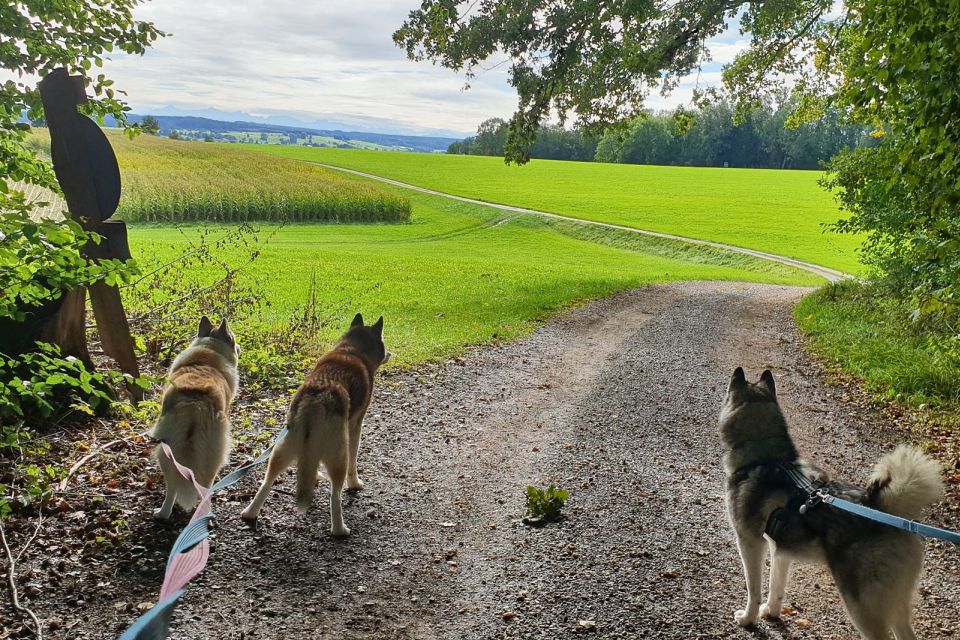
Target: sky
x,y
328,63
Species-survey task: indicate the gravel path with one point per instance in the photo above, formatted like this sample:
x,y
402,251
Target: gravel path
x,y
616,402
831,275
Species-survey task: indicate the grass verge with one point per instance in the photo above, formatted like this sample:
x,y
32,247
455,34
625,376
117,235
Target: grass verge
x,y
870,335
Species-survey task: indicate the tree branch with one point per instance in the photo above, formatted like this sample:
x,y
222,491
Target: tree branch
x,y
12,581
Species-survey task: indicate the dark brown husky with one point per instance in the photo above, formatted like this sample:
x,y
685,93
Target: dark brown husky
x,y
325,419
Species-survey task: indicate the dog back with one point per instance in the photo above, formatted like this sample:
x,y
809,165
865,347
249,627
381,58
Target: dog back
x,y
200,375
344,379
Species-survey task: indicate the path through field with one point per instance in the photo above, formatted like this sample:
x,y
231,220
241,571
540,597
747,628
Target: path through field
x,y
616,402
832,275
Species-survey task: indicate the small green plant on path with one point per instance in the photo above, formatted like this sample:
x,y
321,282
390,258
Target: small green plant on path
x,y
544,505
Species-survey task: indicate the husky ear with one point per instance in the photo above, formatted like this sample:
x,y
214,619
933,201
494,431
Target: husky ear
x,y
378,327
205,328
766,379
738,381
357,321
224,333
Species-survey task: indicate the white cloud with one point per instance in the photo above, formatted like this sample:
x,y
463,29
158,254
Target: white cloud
x,y
324,60
329,60
723,52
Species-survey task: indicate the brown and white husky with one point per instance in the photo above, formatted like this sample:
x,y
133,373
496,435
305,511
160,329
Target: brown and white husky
x,y
193,414
325,420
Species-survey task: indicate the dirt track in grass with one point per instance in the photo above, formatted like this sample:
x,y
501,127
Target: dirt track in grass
x,y
616,402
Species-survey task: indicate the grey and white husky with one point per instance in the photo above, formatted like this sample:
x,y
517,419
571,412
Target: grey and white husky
x,y
875,566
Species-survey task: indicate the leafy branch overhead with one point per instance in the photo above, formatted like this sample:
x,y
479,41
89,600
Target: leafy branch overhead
x,y
884,63
42,257
40,36
595,59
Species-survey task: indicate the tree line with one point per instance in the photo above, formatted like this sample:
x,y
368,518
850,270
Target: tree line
x,y
708,137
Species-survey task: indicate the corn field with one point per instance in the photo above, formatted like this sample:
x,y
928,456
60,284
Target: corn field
x,y
178,181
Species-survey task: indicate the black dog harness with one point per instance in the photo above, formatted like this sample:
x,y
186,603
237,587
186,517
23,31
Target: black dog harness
x,y
807,495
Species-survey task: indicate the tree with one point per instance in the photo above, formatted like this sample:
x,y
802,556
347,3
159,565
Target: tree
x,y
490,138
38,37
889,64
41,259
557,143
593,59
608,149
150,124
650,140
461,147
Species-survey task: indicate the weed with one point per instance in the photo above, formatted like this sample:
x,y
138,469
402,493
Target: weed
x,y
544,505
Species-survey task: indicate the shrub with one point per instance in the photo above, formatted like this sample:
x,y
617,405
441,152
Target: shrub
x,y
544,505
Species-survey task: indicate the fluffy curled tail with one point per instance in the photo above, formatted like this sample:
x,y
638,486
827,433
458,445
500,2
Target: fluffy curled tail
x,y
905,481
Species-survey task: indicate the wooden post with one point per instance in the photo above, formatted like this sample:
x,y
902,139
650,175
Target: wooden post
x,y
88,174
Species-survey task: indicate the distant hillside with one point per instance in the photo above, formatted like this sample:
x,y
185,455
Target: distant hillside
x,y
195,128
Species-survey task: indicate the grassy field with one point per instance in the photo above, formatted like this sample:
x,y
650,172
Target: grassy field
x,y
174,181
249,137
458,274
781,212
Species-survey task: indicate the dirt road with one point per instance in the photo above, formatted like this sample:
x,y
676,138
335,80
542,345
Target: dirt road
x,y
617,403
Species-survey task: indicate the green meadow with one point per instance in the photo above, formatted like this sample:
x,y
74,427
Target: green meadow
x,y
456,274
781,212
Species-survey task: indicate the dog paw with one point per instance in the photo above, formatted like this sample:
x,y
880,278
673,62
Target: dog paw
x,y
354,484
743,618
340,532
770,612
249,518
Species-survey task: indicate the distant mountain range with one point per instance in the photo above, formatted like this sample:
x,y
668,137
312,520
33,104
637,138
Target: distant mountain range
x,y
194,127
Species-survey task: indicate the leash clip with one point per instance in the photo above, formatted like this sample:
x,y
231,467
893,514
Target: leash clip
x,y
815,498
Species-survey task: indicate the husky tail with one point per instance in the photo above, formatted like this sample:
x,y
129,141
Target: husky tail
x,y
320,426
307,468
194,433
905,482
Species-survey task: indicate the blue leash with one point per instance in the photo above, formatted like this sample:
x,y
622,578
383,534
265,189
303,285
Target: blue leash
x,y
155,623
817,494
883,517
